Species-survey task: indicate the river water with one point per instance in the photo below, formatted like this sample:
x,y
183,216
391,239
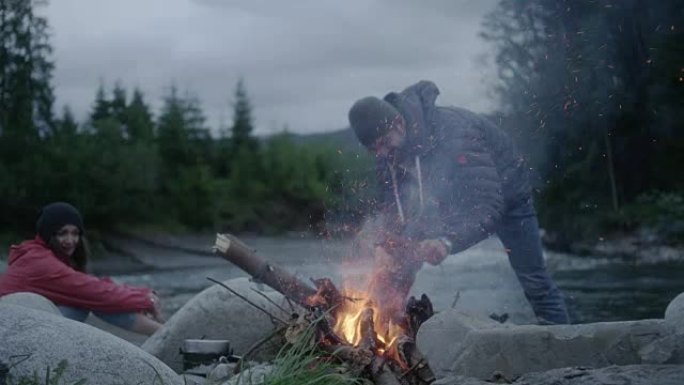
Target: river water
x,y
478,280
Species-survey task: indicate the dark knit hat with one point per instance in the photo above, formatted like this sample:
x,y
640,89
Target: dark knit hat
x,y
371,118
54,216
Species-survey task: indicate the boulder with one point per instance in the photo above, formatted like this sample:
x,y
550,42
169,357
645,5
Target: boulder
x,y
624,375
31,301
674,313
34,340
480,349
674,318
216,313
453,326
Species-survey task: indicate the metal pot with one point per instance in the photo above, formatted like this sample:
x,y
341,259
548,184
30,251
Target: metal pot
x,y
203,352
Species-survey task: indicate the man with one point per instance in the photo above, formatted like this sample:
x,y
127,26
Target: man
x,y
449,179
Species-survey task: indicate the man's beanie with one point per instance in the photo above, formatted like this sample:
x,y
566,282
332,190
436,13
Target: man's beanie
x,y
54,216
371,118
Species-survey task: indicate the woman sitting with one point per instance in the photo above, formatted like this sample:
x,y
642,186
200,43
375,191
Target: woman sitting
x,y
53,264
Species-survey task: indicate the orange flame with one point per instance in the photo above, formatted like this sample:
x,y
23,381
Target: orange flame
x,y
348,322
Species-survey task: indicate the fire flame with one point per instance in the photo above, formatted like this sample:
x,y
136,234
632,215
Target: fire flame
x,y
348,322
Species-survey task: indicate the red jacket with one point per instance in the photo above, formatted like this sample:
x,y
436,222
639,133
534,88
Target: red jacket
x,y
34,268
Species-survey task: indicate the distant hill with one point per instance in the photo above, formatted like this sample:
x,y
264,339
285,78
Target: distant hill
x,y
343,140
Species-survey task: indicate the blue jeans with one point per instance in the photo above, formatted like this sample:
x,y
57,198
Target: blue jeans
x,y
122,320
519,233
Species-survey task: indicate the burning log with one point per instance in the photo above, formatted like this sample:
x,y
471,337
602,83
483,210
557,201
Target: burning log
x,y
369,339
418,371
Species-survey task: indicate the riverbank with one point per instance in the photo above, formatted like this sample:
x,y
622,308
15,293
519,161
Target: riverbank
x,y
640,247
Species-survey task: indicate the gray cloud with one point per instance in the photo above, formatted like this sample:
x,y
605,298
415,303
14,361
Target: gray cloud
x,y
304,62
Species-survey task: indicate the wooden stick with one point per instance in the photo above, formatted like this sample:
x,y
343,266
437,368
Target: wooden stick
x,y
382,374
347,353
236,252
247,300
367,329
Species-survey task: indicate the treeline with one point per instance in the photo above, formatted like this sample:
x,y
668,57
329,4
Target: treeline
x,y
123,166
594,91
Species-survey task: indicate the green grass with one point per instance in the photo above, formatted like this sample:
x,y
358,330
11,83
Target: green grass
x,y
302,363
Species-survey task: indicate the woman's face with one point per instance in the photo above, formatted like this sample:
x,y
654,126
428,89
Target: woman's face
x,y
67,238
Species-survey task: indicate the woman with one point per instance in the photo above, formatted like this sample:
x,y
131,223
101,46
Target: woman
x,y
53,265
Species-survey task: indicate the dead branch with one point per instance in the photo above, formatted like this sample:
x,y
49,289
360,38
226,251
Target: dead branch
x,y
236,252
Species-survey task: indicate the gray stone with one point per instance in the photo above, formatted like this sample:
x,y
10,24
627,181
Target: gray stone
x,y
661,351
441,337
216,313
31,301
480,349
460,380
254,375
221,373
623,375
674,313
34,340
38,302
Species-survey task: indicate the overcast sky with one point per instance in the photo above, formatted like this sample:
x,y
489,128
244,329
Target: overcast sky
x,y
304,61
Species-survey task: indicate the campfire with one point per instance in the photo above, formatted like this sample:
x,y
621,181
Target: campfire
x,y
372,331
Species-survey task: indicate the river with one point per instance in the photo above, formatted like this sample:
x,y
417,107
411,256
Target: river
x,y
478,280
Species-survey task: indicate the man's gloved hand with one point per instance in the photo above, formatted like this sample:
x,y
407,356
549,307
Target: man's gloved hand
x,y
432,251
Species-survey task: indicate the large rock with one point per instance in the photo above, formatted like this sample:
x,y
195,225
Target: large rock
x,y
674,313
38,302
623,375
31,301
34,340
674,317
216,313
452,326
479,349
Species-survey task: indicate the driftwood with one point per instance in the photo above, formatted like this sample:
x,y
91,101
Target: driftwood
x,y
236,252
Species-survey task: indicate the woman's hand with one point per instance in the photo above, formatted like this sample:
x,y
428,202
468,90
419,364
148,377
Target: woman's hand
x,y
155,312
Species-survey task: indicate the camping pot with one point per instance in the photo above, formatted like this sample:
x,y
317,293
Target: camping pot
x,y
203,352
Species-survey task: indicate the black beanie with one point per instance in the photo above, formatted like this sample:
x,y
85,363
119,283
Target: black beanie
x,y
54,216
371,118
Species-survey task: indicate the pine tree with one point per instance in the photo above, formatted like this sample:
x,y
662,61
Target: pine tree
x,y
242,121
26,100
138,119
67,125
102,106
26,96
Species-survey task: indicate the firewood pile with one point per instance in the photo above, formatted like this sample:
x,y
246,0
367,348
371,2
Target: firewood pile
x,y
379,347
